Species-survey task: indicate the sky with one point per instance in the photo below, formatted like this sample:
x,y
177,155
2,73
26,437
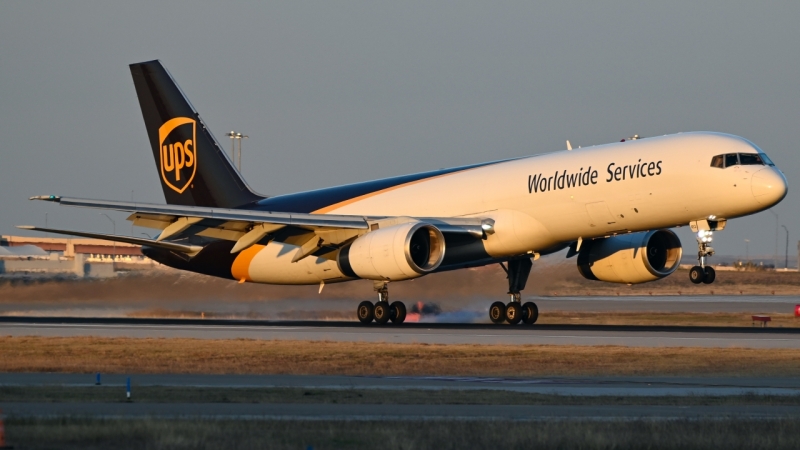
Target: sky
x,y
336,92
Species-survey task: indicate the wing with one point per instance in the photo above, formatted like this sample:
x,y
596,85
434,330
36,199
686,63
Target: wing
x,y
246,227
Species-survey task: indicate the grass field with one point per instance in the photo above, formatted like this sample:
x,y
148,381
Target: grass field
x,y
77,433
125,355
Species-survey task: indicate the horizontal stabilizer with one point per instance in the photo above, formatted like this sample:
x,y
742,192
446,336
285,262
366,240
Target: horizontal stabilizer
x,y
188,249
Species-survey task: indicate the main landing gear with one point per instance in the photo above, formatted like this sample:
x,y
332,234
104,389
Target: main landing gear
x,y
381,312
515,312
703,273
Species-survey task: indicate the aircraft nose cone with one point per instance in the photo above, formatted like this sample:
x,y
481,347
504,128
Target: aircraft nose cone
x,y
769,186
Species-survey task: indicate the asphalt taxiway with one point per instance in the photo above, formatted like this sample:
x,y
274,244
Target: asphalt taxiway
x,y
436,333
327,411
564,386
571,386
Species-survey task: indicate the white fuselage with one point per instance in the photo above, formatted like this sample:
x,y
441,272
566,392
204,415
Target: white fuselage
x,y
544,201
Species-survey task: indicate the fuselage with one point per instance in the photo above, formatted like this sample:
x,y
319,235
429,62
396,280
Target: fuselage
x,y
542,203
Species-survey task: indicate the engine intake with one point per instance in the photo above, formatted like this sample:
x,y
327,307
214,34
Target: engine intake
x,y
398,252
631,258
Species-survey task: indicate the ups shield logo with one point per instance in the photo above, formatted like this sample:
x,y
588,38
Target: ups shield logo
x,y
178,160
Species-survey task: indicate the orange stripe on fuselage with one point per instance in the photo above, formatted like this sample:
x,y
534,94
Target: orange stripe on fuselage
x,y
344,203
240,269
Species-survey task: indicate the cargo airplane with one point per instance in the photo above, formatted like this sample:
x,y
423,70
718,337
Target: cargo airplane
x,y
610,205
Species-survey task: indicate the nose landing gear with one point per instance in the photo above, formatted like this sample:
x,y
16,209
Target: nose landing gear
x,y
515,312
382,312
702,273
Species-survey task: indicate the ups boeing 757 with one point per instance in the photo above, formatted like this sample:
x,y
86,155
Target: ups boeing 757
x,y
609,205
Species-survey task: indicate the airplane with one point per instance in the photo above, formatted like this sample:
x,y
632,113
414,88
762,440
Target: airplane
x,y
610,205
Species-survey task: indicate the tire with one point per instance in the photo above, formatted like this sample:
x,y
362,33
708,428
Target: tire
x,y
513,313
710,275
399,310
696,274
497,312
530,312
365,312
383,312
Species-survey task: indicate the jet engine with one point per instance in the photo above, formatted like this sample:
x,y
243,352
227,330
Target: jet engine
x,y
398,252
631,258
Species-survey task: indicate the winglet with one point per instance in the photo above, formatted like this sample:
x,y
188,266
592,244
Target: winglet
x,y
47,198
569,146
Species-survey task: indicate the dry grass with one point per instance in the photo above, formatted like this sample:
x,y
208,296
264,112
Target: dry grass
x,y
124,355
551,277
77,433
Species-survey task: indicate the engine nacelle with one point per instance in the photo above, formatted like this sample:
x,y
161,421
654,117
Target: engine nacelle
x,y
631,258
398,252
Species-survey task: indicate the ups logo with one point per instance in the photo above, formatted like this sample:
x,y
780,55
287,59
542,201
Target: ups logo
x,y
178,160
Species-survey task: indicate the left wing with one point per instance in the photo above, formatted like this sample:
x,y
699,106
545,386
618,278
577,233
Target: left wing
x,y
247,227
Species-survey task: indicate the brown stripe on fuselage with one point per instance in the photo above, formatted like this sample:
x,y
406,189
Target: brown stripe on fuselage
x,y
240,269
344,203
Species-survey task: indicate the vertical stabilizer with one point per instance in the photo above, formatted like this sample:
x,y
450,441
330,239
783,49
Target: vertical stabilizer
x,y
192,166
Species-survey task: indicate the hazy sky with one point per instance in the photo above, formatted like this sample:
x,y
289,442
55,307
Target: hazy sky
x,y
338,92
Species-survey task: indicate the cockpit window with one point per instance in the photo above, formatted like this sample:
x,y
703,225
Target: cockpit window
x,y
750,159
744,159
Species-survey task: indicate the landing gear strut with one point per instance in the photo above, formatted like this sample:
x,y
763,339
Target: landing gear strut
x,y
515,312
703,273
382,312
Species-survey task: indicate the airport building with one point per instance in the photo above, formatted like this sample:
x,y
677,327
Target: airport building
x,y
23,255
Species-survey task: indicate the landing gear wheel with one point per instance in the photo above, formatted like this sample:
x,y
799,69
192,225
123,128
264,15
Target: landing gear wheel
x,y
497,312
513,313
382,312
398,312
710,275
365,312
530,312
697,274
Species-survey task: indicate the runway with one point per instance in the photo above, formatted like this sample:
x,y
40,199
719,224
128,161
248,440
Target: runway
x,y
641,336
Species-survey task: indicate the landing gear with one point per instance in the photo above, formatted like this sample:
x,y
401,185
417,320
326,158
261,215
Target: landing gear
x,y
382,312
497,312
398,312
515,312
530,312
702,273
710,275
697,274
365,312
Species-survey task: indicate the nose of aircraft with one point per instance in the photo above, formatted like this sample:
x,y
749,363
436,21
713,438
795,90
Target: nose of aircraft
x,y
769,186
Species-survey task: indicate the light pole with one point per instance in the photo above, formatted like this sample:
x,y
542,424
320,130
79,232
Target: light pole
x,y
240,136
131,220
114,228
747,250
775,255
786,261
232,135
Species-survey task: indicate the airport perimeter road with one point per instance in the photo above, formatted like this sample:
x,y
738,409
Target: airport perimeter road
x,y
327,411
633,336
571,386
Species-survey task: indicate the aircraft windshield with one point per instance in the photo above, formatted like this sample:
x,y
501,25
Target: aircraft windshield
x,y
744,159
